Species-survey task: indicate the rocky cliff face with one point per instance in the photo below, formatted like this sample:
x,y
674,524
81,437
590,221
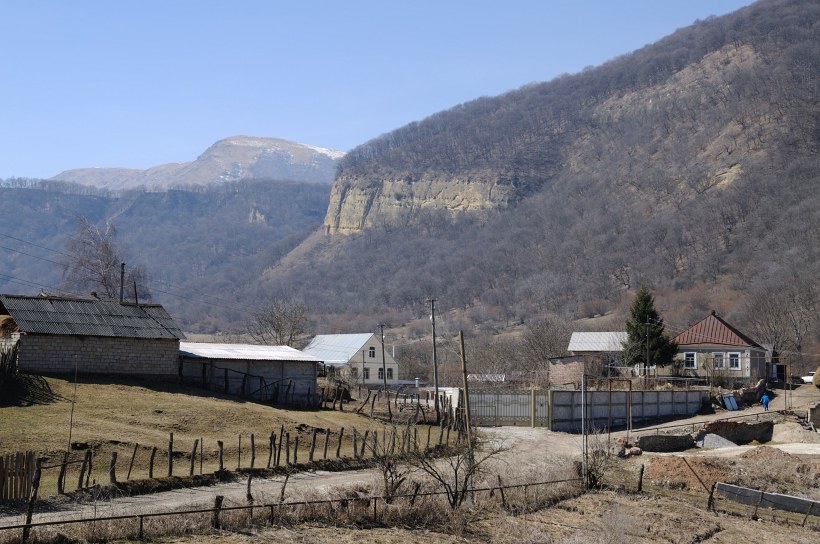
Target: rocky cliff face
x,y
230,159
357,203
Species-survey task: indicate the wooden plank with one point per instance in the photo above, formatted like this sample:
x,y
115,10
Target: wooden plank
x,y
753,497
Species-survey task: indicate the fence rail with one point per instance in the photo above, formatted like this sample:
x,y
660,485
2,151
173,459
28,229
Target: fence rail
x,y
374,500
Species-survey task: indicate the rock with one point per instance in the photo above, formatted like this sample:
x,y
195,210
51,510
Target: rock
x,y
665,442
635,451
617,451
714,441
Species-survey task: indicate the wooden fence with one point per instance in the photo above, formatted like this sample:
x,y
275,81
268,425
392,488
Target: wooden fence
x,y
16,476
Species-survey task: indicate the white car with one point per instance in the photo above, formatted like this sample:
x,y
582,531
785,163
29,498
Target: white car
x,y
808,378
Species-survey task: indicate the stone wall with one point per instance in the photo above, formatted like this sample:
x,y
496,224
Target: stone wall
x,y
54,354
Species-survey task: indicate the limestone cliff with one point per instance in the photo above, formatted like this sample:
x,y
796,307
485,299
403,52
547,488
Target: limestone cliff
x,y
357,203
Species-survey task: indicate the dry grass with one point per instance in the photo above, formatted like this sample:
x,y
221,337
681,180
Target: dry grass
x,y
114,417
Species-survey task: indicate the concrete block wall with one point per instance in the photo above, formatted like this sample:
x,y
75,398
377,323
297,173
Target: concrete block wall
x,y
54,354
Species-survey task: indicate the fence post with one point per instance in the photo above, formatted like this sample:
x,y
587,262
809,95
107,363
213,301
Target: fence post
x,y
355,443
193,458
239,454
312,445
710,505
339,445
217,507
279,448
296,450
271,446
83,468
112,469
640,479
220,446
327,437
61,476
287,449
32,498
170,455
151,463
131,464
253,450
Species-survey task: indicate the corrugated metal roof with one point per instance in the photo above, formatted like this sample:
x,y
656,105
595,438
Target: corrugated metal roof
x,y
245,352
714,331
597,341
337,349
80,316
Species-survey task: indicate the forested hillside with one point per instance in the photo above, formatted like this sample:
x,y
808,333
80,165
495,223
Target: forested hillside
x,y
690,166
204,250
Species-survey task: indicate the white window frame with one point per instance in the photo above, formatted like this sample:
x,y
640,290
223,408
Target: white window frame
x,y
718,356
381,373
371,352
389,373
694,360
366,374
734,357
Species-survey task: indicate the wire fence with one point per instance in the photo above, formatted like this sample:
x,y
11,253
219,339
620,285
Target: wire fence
x,y
360,509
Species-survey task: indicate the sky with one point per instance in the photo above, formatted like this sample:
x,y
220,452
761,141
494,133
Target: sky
x,y
139,83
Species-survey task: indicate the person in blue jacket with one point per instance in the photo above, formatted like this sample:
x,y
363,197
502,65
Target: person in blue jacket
x,y
765,401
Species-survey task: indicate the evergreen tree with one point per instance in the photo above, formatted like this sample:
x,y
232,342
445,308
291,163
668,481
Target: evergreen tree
x,y
645,324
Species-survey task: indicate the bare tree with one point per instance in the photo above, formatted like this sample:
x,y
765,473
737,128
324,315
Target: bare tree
x,y
455,473
93,263
279,322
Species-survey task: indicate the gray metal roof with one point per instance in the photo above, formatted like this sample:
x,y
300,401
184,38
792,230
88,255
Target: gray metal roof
x,y
80,316
243,352
337,349
597,341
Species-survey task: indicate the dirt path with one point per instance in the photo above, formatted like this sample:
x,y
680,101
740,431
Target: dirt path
x,y
525,448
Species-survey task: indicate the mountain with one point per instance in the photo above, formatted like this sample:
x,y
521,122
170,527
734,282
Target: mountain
x,y
690,166
231,159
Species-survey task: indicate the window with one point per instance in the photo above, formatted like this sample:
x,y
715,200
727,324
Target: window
x,y
366,373
734,361
381,373
389,373
689,360
717,360
372,352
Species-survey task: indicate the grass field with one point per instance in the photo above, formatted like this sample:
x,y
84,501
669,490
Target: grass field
x,y
37,415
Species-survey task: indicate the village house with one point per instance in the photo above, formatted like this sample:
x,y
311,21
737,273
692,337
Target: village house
x,y
275,374
356,358
715,350
600,351
88,335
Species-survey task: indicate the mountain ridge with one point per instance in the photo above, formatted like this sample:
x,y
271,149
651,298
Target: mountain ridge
x,y
229,159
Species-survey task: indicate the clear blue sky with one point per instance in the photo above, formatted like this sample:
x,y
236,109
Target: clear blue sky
x,y
141,83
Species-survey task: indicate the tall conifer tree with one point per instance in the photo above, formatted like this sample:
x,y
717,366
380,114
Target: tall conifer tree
x,y
646,325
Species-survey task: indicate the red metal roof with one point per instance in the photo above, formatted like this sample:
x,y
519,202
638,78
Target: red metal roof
x,y
713,331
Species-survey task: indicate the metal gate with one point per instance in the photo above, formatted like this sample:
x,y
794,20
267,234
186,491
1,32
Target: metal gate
x,y
526,408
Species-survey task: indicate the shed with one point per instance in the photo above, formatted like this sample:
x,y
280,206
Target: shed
x,y
62,335
276,374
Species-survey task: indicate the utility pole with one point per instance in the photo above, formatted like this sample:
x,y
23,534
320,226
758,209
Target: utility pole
x,y
435,360
646,366
384,374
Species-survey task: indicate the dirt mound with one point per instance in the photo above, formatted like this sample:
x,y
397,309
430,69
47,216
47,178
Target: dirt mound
x,y
791,431
674,473
767,454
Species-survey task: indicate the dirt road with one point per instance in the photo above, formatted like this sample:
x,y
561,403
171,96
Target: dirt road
x,y
526,449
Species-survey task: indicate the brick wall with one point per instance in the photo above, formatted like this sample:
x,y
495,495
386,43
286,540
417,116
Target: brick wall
x,y
53,354
566,372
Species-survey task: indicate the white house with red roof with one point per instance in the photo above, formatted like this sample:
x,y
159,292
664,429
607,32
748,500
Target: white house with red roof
x,y
712,347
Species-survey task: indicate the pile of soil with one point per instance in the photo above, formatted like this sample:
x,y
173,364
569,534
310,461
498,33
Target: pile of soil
x,y
791,431
672,472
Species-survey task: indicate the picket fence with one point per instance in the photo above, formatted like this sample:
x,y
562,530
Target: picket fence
x,y
16,476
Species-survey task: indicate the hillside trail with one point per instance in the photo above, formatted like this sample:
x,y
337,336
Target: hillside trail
x,y
523,448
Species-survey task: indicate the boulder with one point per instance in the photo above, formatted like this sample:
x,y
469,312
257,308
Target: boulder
x,y
665,442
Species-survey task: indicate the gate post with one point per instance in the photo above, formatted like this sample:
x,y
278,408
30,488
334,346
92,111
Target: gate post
x,y
532,407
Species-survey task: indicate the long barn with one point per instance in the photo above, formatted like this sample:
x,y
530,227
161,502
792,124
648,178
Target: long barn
x,y
88,335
